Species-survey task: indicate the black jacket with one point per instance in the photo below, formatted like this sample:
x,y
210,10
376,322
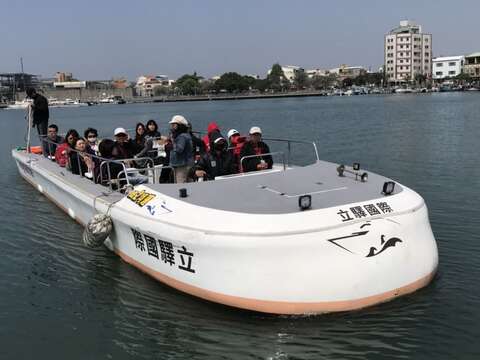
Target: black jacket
x,y
216,164
50,146
250,164
40,109
77,164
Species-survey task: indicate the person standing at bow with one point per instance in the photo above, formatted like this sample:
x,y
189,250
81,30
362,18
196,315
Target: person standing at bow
x,y
40,112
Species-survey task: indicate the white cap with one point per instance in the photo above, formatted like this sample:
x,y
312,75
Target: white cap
x,y
232,132
255,130
120,131
179,119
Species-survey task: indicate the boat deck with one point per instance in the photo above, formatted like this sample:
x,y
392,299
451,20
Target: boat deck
x,y
269,192
278,192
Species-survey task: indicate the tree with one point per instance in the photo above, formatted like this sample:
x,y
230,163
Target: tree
x,y
300,79
464,77
233,82
420,78
188,84
323,82
277,78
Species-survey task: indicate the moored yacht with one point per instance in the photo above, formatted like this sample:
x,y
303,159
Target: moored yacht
x,y
289,240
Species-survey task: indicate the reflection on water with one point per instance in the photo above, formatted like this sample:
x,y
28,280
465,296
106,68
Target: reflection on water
x,y
77,303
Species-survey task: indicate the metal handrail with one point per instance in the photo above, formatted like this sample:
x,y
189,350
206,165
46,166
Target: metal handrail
x,y
124,171
262,155
103,162
289,142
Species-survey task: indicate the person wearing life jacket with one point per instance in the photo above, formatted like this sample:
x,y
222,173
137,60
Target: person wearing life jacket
x,y
211,130
62,151
236,142
217,162
255,146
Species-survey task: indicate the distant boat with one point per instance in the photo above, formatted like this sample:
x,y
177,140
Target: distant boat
x,y
403,91
114,99
19,104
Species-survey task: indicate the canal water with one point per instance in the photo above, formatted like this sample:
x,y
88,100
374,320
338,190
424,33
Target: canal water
x,y
61,300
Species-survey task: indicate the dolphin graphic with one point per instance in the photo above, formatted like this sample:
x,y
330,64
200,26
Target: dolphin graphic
x,y
386,244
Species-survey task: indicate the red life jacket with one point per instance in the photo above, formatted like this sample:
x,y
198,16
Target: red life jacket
x,y
61,154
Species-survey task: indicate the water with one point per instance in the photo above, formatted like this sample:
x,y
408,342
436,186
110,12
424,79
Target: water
x,y
61,300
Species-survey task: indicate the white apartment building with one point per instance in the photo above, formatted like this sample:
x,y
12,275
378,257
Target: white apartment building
x,y
146,84
289,71
316,72
447,67
408,52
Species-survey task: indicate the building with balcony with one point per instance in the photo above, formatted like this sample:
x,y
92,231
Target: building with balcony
x,y
447,67
408,53
146,84
472,65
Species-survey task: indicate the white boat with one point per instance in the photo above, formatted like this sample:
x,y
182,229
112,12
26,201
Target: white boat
x,y
55,103
403,91
113,99
301,240
19,104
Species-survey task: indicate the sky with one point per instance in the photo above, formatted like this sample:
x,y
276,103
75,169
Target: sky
x,y
103,39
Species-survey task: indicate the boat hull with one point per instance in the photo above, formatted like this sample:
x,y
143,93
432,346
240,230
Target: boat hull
x,y
331,266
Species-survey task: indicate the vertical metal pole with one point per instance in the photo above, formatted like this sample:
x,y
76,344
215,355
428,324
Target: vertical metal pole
x,y
29,121
289,150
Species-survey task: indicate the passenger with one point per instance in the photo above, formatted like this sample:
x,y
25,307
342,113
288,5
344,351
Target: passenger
x,y
255,146
152,130
181,153
218,162
198,145
62,151
81,162
53,140
153,145
126,147
107,148
212,129
236,142
140,135
91,135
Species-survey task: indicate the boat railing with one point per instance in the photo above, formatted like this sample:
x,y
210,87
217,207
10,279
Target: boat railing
x,y
281,153
106,175
289,143
153,174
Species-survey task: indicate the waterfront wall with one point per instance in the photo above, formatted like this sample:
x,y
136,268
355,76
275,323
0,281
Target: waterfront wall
x,y
83,94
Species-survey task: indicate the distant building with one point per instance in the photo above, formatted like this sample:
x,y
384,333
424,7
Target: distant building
x,y
316,72
146,84
70,84
408,52
289,71
119,83
447,67
472,65
351,72
14,83
61,76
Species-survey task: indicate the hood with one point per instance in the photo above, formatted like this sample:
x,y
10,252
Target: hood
x,y
212,126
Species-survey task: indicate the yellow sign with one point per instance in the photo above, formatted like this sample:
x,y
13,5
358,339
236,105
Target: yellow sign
x,y
140,197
